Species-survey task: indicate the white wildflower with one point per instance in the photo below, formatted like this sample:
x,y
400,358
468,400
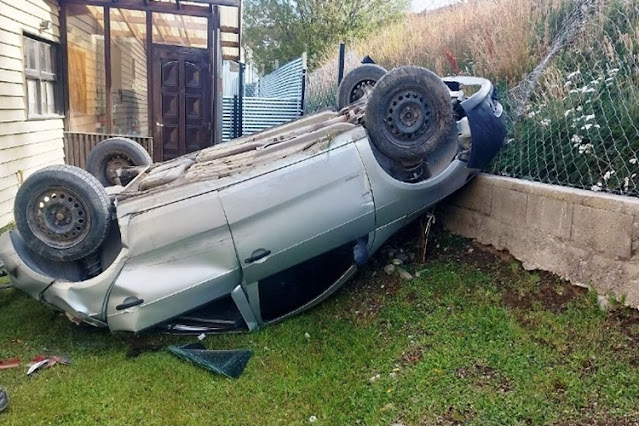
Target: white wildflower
x,y
613,72
590,117
633,161
586,148
312,419
573,75
626,184
579,108
576,139
595,188
570,111
586,127
545,122
608,175
532,114
597,126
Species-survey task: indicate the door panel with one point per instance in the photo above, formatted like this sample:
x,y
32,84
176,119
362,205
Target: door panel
x,y
299,211
182,105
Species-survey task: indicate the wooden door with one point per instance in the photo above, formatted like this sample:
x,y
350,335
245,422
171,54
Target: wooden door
x,y
181,101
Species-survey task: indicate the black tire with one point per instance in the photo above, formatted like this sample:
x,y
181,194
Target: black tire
x,y
63,213
351,87
113,153
409,114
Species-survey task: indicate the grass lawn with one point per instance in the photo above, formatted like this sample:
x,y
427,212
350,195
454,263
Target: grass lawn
x,y
476,339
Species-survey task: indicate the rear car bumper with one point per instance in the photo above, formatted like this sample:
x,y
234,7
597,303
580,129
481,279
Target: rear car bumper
x,y
486,118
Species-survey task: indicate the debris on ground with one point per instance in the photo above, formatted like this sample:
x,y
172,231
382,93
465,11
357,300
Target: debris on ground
x,y
40,362
9,363
229,363
404,274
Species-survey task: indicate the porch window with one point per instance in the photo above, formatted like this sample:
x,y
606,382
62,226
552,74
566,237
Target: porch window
x,y
43,94
86,65
129,92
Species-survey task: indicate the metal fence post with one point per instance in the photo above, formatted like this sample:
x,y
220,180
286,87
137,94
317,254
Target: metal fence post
x,y
303,97
234,117
340,64
240,105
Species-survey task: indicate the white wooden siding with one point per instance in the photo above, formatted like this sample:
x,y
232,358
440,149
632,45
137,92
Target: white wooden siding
x,y
25,146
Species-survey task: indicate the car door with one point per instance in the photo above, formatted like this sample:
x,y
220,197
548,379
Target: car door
x,y
291,214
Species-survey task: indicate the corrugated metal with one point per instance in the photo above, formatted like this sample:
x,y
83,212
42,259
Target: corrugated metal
x,y
285,82
260,114
277,100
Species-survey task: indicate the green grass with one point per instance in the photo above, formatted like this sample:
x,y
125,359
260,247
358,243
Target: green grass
x,y
475,340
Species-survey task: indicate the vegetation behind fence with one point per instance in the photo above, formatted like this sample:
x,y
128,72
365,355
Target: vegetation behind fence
x,y
567,71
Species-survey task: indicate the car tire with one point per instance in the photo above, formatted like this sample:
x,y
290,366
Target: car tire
x,y
409,114
352,85
113,153
62,213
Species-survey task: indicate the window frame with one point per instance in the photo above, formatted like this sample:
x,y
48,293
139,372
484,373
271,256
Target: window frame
x,y
42,78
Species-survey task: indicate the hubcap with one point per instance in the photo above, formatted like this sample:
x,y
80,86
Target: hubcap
x,y
408,116
58,217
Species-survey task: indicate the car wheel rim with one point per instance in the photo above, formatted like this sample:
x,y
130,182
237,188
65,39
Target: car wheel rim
x,y
114,162
408,117
362,88
58,217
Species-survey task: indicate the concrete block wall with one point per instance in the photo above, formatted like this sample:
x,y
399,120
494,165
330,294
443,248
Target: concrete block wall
x,y
588,238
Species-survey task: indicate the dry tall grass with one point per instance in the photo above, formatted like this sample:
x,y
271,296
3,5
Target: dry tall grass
x,y
501,39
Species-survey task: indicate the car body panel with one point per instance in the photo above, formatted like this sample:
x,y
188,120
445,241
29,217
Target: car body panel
x,y
307,208
181,262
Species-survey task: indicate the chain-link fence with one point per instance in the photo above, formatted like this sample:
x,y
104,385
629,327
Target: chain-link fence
x,y
321,84
574,120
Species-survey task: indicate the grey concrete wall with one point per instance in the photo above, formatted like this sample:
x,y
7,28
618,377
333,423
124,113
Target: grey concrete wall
x,y
588,238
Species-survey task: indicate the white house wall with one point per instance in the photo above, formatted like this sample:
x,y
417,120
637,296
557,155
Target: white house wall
x,y
25,145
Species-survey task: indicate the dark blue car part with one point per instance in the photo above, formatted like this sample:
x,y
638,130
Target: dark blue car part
x,y
4,400
230,363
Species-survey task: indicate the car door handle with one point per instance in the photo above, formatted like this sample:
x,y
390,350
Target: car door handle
x,y
129,302
257,255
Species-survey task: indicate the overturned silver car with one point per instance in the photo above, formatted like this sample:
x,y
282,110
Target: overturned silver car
x,y
250,232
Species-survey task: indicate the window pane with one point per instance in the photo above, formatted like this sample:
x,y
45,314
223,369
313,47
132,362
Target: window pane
x,y
30,54
45,57
48,94
86,68
179,30
129,94
32,97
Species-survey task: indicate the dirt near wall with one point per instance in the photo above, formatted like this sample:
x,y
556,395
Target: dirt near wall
x,y
587,238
